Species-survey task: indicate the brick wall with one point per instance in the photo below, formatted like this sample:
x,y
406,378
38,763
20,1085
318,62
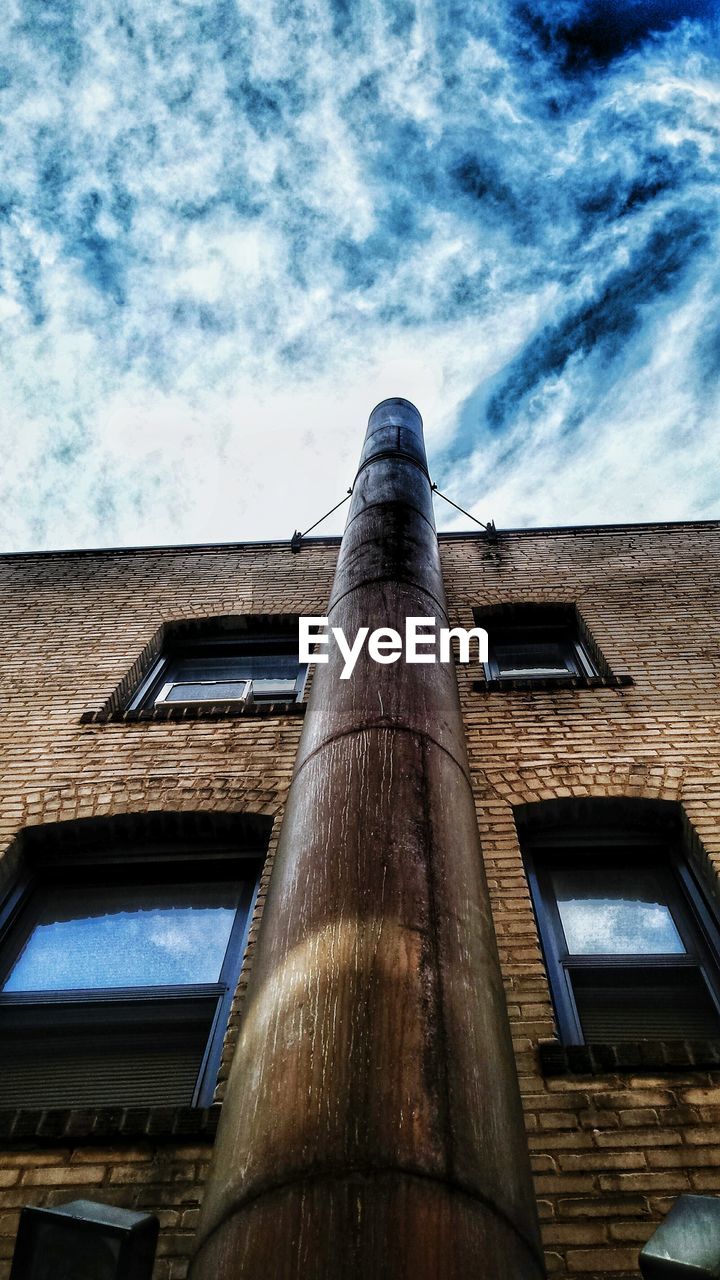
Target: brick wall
x,y
611,1152
165,1180
73,625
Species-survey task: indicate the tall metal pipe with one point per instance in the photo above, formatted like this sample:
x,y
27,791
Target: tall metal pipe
x,y
372,1126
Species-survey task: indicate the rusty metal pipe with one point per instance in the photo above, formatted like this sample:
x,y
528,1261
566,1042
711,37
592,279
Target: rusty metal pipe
x,y
372,1125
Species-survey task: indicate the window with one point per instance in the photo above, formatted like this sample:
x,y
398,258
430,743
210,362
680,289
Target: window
x,y
254,668
535,642
116,977
218,665
630,946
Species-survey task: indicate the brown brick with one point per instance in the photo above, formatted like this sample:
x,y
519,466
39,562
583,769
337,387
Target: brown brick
x,y
684,1158
600,1160
602,1260
643,1138
637,1232
575,1233
647,1181
604,1207
65,1176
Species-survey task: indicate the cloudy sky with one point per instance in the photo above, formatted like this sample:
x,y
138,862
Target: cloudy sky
x,y
229,228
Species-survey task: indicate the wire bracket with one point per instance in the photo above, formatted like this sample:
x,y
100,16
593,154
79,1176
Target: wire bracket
x,y
489,528
296,540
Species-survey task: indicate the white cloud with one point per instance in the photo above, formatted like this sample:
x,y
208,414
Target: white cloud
x,y
230,232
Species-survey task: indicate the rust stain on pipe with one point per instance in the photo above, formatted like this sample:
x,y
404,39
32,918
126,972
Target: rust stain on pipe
x,y
372,1125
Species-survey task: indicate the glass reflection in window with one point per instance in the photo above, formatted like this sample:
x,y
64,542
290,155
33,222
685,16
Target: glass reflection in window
x,y
530,659
125,936
615,912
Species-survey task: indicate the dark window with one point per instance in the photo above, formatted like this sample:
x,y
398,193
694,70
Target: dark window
x,y
630,946
116,983
249,669
531,642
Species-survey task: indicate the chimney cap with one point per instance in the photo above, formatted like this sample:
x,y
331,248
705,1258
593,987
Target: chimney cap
x,y
398,411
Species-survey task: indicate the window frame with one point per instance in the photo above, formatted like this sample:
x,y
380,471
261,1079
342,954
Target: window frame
x,y
95,1008
577,659
690,911
147,692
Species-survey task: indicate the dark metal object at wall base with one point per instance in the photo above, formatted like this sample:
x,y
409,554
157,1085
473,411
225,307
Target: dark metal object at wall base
x,y
686,1245
84,1240
372,1125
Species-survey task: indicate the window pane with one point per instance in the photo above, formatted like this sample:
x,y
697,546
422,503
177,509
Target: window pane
x,y
103,1054
637,1004
273,689
540,658
205,678
214,691
234,667
123,936
615,912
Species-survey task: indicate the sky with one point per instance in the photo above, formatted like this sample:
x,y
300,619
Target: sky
x,y
229,229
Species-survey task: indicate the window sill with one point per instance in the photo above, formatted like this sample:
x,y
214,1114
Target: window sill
x,y
203,711
532,685
642,1055
103,1124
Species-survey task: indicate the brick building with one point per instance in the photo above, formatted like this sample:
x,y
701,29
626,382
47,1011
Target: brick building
x,y
594,726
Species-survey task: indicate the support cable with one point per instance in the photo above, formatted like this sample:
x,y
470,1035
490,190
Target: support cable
x,y
489,527
296,540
